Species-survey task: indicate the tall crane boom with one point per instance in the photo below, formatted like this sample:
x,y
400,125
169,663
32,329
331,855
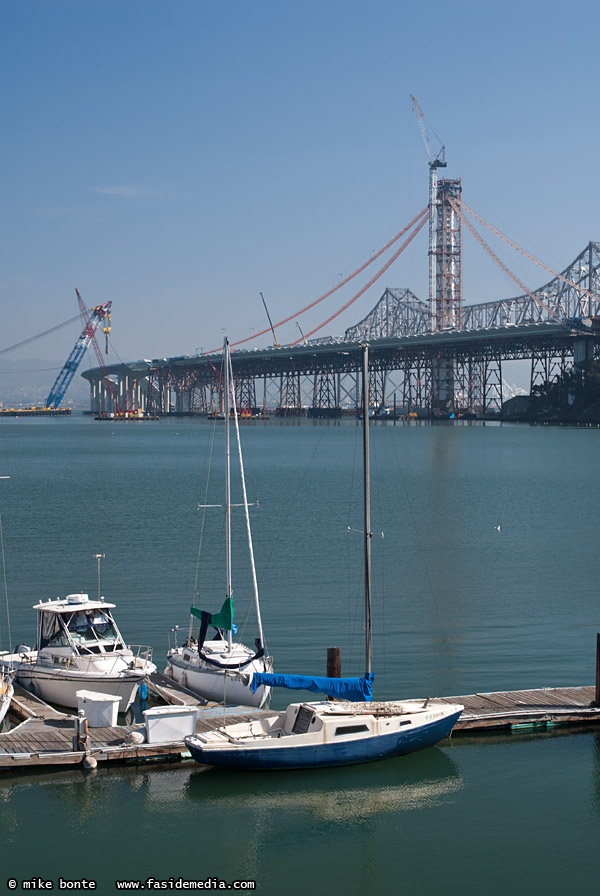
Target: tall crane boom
x,y
98,315
438,161
434,204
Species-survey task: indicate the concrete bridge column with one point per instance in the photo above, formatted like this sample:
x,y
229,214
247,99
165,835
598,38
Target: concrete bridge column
x,y
106,404
583,350
182,401
123,385
166,400
443,377
95,392
140,397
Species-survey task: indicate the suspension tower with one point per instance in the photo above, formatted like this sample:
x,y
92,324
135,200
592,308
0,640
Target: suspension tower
x,y
444,264
446,252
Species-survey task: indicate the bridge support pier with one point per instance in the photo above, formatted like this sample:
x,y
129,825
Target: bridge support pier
x,y
583,350
290,396
443,380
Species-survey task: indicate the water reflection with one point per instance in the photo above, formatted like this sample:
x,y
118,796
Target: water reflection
x,y
596,775
350,793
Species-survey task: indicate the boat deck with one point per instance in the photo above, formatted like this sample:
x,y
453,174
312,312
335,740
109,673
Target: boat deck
x,y
46,736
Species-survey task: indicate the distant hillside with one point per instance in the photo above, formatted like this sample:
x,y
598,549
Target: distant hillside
x,y
28,382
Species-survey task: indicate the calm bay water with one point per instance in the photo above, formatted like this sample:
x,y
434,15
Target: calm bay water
x,y
461,607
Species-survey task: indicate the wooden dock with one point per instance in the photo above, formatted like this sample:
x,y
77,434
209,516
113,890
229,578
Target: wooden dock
x,y
544,708
45,736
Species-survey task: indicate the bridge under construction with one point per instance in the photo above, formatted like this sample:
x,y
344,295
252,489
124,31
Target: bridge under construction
x,y
451,370
435,358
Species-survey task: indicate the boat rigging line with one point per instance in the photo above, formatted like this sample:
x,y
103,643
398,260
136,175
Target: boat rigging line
x,y
5,585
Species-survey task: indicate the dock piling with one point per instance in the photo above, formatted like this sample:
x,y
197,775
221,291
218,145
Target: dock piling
x,y
334,662
597,696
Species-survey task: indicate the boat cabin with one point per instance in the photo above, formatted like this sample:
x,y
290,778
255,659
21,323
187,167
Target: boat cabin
x,y
303,718
78,623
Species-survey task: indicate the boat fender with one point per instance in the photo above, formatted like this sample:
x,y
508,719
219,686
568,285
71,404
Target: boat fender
x,y
89,761
143,691
135,737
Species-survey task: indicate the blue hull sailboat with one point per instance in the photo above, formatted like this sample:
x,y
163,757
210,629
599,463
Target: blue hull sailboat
x,y
345,730
317,735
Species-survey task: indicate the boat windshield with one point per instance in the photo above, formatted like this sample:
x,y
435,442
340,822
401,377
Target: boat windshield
x,y
94,630
92,627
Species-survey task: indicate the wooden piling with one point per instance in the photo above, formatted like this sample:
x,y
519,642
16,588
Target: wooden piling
x,y
334,662
597,697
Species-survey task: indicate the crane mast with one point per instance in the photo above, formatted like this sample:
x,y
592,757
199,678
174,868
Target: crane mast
x,y
99,314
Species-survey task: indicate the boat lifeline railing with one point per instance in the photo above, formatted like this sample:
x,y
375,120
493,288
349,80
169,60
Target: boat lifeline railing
x,y
142,655
138,657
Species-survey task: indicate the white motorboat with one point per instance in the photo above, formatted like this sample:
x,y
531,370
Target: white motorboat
x,y
79,647
320,734
218,668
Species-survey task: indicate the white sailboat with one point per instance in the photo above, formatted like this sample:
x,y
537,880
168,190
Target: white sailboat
x,y
79,647
340,732
221,669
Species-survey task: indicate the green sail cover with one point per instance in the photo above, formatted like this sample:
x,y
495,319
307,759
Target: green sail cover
x,y
223,619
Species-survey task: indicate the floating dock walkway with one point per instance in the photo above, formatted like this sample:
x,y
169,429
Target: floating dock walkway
x,y
545,707
47,737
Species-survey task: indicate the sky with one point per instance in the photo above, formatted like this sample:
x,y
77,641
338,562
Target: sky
x,y
179,157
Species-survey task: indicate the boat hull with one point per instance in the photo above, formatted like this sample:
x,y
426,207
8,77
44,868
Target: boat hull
x,y
281,756
217,685
61,688
6,695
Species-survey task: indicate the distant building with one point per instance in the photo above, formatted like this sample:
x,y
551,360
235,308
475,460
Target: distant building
x,y
519,406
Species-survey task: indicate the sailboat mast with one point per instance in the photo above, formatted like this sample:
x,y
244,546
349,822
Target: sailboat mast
x,y
227,478
367,509
248,528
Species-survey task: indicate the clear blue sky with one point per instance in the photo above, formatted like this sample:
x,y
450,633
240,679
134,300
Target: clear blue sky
x,y
181,157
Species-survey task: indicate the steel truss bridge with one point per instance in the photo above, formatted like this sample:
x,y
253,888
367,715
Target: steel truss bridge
x,y
452,370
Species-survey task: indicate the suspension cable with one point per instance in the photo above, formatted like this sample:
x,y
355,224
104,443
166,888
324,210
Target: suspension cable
x,y
506,270
371,281
576,286
339,285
